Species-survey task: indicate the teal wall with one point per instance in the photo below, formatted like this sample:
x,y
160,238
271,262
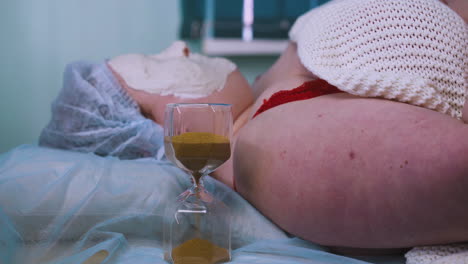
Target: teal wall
x,y
40,37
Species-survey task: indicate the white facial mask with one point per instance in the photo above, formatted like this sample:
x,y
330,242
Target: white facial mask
x,y
174,72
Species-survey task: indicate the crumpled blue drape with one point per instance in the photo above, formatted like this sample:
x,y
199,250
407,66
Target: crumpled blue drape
x,y
63,207
94,114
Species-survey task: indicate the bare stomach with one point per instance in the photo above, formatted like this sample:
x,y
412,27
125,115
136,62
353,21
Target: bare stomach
x,y
356,172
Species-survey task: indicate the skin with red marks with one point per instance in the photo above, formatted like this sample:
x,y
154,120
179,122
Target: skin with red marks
x,y
353,172
357,202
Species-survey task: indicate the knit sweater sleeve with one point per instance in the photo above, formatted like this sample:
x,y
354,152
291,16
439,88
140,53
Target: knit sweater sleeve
x,y
409,51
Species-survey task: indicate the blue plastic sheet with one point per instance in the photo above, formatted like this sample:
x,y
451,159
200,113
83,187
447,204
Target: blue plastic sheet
x,y
60,206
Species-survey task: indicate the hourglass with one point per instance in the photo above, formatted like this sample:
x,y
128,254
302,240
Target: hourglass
x,y
197,140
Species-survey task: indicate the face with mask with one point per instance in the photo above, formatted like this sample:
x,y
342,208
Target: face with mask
x,y
178,76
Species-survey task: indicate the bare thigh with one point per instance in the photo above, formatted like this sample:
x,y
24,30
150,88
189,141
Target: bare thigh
x,y
355,172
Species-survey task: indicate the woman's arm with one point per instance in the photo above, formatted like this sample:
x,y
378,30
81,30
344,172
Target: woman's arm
x,y
357,172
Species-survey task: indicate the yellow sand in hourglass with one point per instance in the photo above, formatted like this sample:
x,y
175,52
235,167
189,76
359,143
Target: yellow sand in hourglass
x,y
197,152
199,251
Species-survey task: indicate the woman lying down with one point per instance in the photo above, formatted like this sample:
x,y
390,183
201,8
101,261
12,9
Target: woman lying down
x,y
354,138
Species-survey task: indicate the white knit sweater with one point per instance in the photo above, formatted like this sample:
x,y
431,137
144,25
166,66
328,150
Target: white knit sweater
x,y
447,254
412,51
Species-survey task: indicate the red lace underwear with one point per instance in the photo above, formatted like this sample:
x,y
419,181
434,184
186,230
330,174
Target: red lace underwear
x,y
305,91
